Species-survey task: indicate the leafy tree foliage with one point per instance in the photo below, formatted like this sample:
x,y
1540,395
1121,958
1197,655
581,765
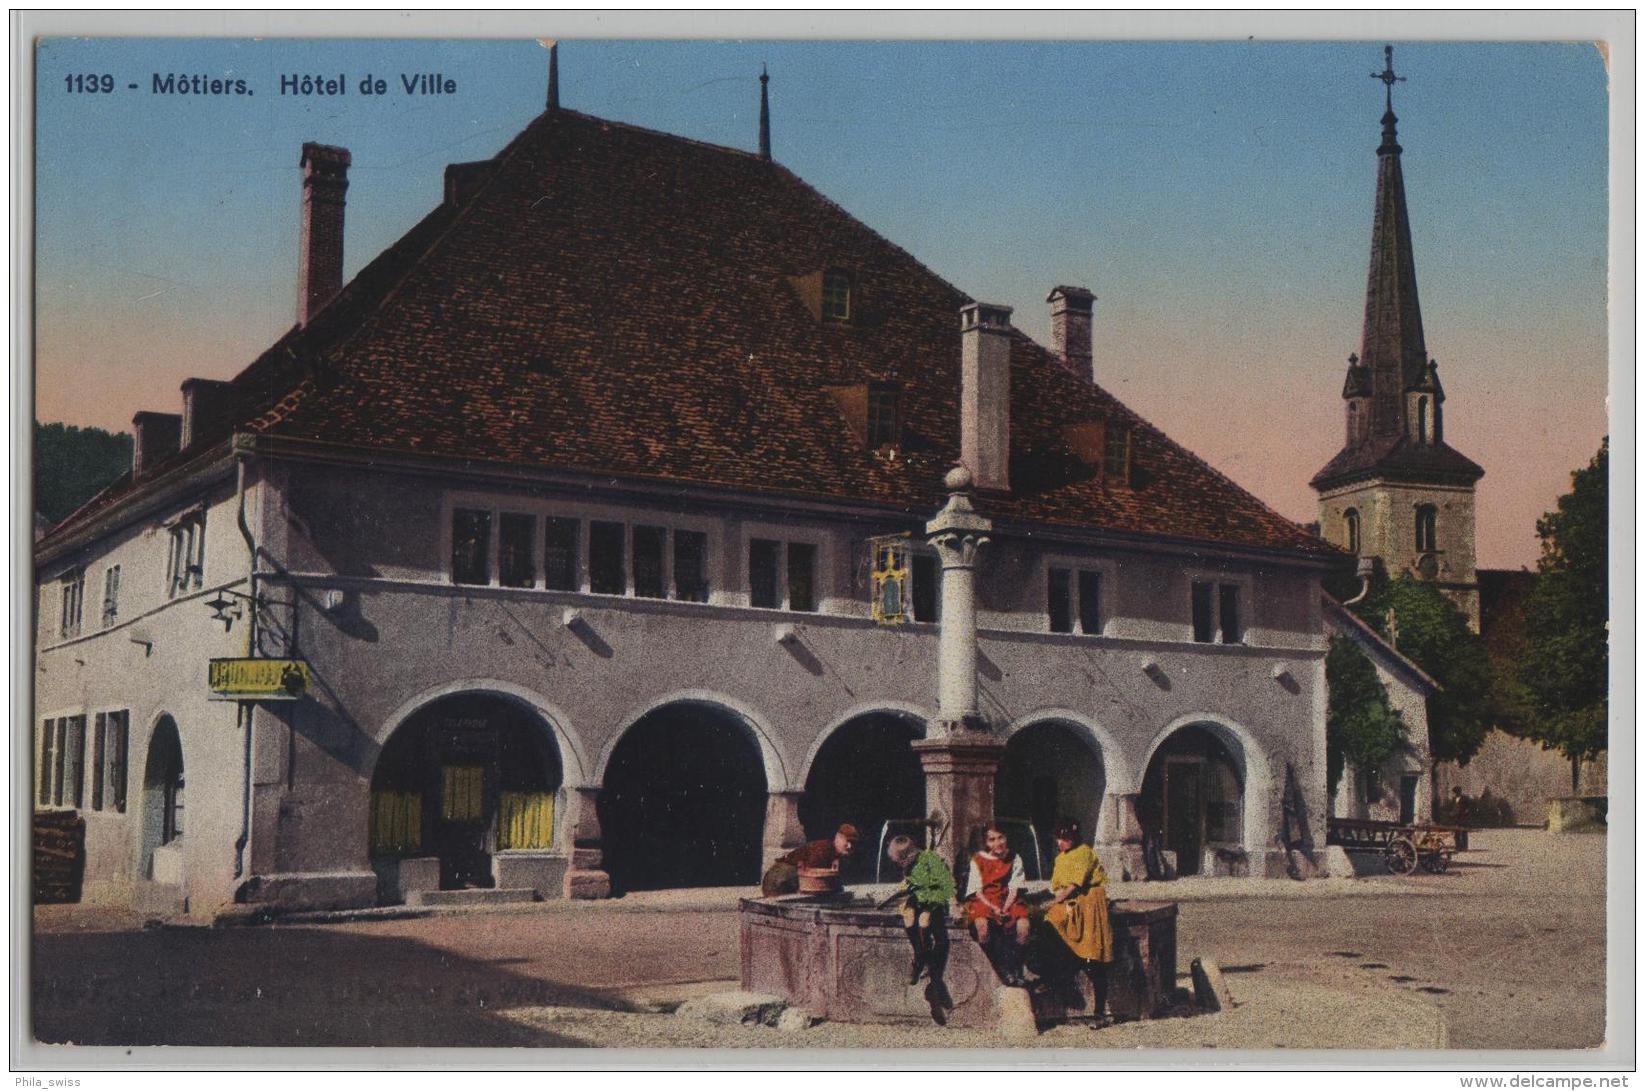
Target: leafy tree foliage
x,y
1428,629
71,465
1361,727
1566,664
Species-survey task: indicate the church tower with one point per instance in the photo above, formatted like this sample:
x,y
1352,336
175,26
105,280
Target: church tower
x,y
1396,491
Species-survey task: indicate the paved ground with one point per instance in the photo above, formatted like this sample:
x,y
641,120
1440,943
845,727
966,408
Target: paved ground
x,y
1505,951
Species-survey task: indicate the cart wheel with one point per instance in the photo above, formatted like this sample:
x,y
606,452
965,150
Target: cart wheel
x,y
1401,856
1437,861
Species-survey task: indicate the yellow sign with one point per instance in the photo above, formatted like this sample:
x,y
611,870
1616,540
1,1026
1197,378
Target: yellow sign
x,y
257,679
890,580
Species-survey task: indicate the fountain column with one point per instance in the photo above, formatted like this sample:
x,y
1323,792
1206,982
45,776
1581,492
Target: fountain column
x,y
961,756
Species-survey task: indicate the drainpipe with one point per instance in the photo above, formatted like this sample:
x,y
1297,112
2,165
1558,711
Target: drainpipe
x,y
1364,569
247,708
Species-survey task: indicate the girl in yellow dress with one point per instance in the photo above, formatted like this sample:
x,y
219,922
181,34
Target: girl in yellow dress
x,y
1078,911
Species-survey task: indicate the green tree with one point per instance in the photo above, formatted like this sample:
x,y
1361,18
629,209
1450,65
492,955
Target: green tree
x,y
1361,727
1565,668
1428,629
71,465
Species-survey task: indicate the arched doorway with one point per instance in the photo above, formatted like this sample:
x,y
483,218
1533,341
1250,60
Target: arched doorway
x,y
866,774
463,778
1050,770
162,793
683,801
1193,796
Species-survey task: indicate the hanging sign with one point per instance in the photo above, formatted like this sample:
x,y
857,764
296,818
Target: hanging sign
x,y
890,580
257,679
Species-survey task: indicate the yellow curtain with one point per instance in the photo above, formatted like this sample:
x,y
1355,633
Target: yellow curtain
x,y
463,795
526,821
396,822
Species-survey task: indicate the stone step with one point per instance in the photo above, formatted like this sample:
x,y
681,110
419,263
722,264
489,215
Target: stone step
x,y
477,896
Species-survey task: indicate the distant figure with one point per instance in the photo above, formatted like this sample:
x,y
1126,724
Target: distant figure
x,y
1079,910
927,889
1459,806
783,876
994,906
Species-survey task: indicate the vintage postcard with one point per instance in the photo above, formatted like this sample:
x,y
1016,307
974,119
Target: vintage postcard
x,y
787,544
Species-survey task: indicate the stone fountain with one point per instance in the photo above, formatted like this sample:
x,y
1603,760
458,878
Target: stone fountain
x,y
843,958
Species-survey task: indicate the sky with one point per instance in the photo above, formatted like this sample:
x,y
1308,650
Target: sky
x,y
1217,198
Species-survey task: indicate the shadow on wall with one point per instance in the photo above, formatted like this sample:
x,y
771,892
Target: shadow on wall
x,y
280,987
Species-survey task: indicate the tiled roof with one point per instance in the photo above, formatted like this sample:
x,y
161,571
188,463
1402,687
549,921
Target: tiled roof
x,y
624,302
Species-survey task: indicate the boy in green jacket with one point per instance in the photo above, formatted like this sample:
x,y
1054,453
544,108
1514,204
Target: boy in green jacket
x,y
927,891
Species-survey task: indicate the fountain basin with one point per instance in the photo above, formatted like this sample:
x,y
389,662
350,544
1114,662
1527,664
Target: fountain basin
x,y
842,958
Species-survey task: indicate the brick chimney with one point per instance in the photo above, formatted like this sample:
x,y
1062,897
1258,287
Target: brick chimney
x,y
205,408
1071,328
154,436
985,394
320,256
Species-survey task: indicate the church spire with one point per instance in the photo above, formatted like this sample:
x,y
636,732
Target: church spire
x,y
1392,350
765,116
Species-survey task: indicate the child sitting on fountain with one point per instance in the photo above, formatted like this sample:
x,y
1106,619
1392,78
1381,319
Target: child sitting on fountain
x,y
927,890
994,905
783,876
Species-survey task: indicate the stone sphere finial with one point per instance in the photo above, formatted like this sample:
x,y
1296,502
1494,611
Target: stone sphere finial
x,y
957,480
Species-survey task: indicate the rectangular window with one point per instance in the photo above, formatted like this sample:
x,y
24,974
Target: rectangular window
x,y
74,595
118,741
1056,600
1228,614
1205,631
763,561
48,761
802,577
186,564
926,576
59,767
690,566
836,296
560,554
1091,602
76,796
470,546
1216,613
111,595
607,563
1116,454
882,417
649,545
99,759
516,549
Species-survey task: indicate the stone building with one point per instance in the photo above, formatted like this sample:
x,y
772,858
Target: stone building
x,y
1397,491
538,558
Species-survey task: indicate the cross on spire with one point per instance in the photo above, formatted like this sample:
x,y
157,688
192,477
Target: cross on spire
x,y
1387,74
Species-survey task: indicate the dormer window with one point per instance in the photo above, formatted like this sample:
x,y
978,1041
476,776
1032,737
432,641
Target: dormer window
x,y
1116,454
883,428
836,296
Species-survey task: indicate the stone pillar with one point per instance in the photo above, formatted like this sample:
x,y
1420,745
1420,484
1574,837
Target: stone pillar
x,y
958,533
586,877
1119,842
959,767
783,831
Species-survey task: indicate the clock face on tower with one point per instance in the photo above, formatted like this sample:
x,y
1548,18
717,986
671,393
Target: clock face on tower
x,y
1428,566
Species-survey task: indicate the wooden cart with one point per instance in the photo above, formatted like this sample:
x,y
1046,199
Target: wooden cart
x,y
1403,848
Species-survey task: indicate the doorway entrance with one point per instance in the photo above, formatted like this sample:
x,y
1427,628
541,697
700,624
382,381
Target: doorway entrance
x,y
162,793
464,778
1193,797
683,801
1050,771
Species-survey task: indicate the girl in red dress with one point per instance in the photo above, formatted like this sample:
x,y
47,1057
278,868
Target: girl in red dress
x,y
994,906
